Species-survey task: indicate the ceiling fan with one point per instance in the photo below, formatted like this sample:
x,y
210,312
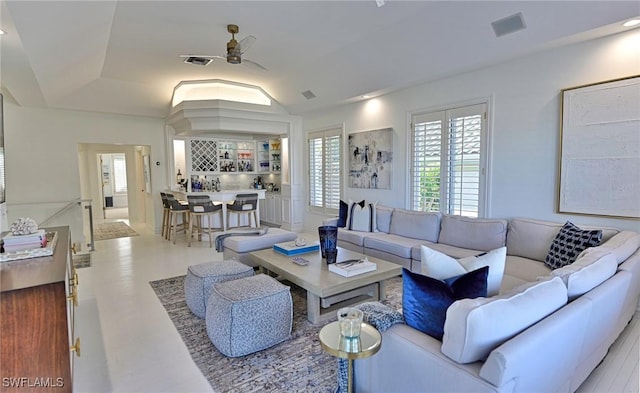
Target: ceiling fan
x,y
235,50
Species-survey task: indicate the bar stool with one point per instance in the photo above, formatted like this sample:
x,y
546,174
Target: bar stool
x,y
201,206
244,203
166,207
176,209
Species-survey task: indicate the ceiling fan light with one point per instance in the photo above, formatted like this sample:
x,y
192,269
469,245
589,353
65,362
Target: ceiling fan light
x,y
234,59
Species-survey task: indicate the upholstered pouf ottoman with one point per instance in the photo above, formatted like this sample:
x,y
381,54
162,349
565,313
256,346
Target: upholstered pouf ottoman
x,y
239,247
248,315
200,279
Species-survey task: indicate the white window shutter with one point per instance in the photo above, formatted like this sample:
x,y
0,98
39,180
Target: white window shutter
x,y
325,170
447,160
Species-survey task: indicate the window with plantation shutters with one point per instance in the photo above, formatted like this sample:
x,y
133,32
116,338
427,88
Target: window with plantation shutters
x,y
448,167
325,157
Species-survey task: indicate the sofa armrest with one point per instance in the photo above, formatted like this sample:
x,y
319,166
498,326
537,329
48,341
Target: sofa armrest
x,y
333,221
543,358
409,361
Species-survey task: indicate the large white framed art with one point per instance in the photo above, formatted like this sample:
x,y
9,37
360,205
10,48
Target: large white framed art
x,y
600,149
371,158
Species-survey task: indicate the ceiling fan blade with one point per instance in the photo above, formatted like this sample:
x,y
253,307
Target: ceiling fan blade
x,y
204,56
253,65
245,44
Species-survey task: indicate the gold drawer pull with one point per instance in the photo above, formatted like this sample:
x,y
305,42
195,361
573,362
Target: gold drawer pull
x,y
73,296
76,347
73,248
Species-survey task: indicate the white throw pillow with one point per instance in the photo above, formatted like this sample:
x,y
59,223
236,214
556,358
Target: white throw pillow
x,y
362,216
441,266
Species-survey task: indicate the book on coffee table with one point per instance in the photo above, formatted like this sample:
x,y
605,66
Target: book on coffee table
x,y
352,267
290,248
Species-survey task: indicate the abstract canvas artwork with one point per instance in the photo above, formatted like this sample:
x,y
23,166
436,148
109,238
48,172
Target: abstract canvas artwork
x,y
370,159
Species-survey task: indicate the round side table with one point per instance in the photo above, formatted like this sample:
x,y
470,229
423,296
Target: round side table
x,y
368,344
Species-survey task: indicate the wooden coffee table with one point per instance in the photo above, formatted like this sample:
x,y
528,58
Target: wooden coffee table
x,y
328,291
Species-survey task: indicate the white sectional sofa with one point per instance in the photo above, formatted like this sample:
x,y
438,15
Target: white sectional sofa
x,y
545,332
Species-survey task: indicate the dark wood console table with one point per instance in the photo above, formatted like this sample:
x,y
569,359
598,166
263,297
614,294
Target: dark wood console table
x,y
37,301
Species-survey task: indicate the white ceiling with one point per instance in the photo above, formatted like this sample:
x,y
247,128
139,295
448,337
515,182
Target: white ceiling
x,y
123,56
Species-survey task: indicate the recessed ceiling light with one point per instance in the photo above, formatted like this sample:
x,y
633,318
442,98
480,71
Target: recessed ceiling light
x,y
2,32
631,23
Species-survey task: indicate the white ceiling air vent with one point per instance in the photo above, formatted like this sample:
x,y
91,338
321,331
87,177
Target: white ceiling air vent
x,y
508,25
197,60
308,94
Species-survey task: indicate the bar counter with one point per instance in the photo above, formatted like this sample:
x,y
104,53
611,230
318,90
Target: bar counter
x,y
223,197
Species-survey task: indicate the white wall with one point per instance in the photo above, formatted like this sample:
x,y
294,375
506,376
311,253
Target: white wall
x,y
525,124
42,156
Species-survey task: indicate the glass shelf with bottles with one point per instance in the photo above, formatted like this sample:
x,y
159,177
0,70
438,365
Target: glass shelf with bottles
x,y
263,156
274,155
236,156
205,183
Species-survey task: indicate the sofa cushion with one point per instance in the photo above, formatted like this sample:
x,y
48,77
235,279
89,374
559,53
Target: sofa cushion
x,y
353,237
383,218
440,266
392,244
473,233
525,269
455,252
474,327
416,225
587,272
362,216
532,239
621,245
569,243
425,299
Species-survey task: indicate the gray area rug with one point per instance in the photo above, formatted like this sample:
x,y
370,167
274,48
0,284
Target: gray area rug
x,y
296,365
112,230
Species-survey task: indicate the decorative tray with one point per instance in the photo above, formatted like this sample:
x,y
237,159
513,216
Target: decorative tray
x,y
52,238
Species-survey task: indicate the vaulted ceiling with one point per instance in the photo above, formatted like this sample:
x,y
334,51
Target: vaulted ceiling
x,y
123,56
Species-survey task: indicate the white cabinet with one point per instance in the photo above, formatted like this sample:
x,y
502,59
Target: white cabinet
x,y
277,209
262,206
272,209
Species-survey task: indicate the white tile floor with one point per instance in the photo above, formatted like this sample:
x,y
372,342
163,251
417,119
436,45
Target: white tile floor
x,y
129,344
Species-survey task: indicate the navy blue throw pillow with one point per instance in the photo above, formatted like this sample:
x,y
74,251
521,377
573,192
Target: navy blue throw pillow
x,y
342,215
425,300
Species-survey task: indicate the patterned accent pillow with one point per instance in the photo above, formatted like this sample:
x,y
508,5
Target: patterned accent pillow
x,y
569,243
362,217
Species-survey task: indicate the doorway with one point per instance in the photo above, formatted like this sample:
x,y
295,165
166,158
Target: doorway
x,y
114,189
137,206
